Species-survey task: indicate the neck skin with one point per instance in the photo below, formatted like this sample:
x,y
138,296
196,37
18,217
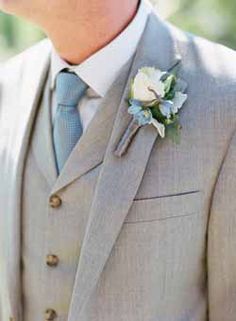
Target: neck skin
x,y
91,29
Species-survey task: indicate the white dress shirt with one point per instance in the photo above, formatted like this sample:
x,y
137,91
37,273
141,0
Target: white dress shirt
x,y
100,70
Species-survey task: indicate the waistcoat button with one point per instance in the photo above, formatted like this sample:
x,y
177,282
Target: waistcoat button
x,y
52,260
50,314
55,201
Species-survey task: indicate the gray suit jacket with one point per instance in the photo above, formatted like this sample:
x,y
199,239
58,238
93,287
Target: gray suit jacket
x,y
161,235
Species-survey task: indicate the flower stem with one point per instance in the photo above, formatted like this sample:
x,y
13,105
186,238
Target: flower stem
x,y
127,138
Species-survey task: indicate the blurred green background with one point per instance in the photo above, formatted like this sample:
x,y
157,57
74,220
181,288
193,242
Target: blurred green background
x,y
213,19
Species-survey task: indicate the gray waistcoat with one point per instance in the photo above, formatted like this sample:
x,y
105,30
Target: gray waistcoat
x,y
58,231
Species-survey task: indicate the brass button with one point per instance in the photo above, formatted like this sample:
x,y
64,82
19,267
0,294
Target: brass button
x,y
52,260
55,201
50,314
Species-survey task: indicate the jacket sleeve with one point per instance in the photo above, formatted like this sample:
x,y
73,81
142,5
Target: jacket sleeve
x,y
221,245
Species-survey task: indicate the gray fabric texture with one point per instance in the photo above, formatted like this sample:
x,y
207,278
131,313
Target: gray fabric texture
x,y
159,239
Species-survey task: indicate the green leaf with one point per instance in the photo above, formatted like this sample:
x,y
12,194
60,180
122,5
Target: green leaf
x,y
170,95
169,83
131,91
156,113
173,132
173,119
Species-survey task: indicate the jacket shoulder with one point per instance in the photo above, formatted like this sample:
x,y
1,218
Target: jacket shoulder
x,y
209,69
204,57
13,68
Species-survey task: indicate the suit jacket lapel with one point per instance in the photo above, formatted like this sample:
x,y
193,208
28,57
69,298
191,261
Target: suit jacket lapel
x,y
19,112
119,178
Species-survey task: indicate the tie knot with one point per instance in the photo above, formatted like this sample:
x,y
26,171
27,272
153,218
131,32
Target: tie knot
x,y
69,88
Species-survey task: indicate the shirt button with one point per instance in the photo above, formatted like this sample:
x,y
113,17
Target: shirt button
x,y
50,314
52,260
55,201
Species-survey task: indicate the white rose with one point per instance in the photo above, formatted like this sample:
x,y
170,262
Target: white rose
x,y
148,78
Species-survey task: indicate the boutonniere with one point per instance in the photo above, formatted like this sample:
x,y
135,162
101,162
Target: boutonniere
x,y
155,99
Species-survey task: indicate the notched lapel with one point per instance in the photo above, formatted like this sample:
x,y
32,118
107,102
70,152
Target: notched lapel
x,y
119,178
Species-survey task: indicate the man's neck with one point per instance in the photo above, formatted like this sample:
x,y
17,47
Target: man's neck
x,y
78,38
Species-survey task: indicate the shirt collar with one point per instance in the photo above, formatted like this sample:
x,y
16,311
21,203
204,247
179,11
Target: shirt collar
x,y
100,70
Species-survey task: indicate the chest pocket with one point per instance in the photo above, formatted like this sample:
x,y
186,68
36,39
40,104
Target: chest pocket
x,y
165,207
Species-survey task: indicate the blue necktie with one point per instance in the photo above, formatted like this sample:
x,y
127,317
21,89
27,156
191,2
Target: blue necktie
x,y
67,126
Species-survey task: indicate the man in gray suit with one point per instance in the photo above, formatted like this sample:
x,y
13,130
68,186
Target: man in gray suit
x,y
86,235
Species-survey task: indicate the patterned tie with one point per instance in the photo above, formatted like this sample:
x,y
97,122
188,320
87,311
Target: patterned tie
x,y
67,126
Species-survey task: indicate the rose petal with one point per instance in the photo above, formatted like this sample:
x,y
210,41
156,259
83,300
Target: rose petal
x,y
146,79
